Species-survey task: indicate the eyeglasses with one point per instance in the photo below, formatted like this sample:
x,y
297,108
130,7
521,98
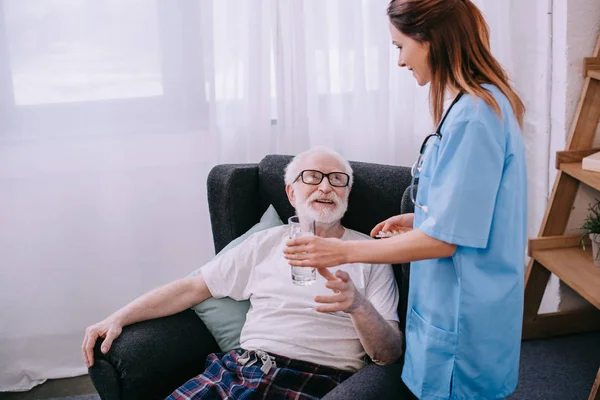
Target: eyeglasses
x,y
314,177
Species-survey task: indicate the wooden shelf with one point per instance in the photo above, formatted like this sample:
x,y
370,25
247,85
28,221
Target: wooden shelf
x,y
574,266
590,178
561,255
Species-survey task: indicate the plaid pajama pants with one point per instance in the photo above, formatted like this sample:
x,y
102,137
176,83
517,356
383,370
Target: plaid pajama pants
x,y
259,375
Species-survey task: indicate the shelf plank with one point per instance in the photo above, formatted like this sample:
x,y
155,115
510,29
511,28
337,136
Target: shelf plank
x,y
573,156
590,178
591,64
574,267
594,74
559,323
554,242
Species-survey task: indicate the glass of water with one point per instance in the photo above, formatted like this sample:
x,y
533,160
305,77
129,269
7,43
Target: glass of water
x,y
302,276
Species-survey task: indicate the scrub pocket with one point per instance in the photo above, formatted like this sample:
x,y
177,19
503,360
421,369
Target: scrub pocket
x,y
429,361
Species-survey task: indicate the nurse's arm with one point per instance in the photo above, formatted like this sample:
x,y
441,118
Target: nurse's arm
x,y
407,247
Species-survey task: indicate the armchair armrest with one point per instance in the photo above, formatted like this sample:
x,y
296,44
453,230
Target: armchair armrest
x,y
233,201
373,382
150,359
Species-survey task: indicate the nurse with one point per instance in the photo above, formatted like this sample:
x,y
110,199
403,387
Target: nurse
x,y
466,239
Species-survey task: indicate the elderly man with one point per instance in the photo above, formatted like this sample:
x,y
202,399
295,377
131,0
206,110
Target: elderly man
x,y
298,341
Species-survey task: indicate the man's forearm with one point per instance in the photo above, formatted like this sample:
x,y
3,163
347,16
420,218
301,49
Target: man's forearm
x,y
382,342
163,301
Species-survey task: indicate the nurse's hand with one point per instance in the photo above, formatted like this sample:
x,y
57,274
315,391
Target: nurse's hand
x,y
315,251
399,223
346,297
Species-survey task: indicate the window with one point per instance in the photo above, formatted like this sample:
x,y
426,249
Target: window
x,y
56,58
74,65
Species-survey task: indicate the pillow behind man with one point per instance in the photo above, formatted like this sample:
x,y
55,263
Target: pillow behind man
x,y
225,317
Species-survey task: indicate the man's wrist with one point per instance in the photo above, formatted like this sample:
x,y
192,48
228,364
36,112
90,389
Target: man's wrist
x,y
360,306
118,318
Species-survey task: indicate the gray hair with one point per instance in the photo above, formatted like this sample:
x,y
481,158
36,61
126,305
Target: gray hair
x,y
294,168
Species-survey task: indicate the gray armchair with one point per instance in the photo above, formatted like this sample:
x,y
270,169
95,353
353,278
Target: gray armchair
x,y
152,358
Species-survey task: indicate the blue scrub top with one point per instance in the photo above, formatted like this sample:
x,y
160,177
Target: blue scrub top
x,y
465,312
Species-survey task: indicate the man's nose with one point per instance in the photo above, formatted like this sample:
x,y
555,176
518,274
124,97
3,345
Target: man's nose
x,y
325,186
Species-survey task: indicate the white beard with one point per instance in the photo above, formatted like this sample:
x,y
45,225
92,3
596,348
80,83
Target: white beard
x,y
325,215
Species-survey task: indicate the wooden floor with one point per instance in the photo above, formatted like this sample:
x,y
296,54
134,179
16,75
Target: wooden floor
x,y
79,385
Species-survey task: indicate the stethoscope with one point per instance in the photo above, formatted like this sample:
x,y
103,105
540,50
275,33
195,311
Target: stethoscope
x,y
418,165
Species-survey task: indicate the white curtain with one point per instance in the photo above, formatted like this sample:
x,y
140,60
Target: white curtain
x,y
339,84
112,113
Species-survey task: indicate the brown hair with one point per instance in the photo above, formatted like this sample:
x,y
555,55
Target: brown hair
x,y
459,51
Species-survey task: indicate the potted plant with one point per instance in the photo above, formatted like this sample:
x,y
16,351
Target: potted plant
x,y
591,225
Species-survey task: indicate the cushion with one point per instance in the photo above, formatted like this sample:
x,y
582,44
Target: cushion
x,y
225,317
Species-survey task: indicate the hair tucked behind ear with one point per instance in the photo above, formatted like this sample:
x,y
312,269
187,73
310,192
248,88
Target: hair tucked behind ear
x,y
459,52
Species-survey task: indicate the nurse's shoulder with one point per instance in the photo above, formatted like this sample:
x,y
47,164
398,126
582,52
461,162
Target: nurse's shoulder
x,y
473,108
475,116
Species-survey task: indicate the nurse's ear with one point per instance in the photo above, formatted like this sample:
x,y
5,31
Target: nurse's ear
x,y
289,190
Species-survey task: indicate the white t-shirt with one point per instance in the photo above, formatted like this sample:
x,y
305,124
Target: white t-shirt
x,y
282,318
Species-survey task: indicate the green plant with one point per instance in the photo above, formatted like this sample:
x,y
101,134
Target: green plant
x,y
591,223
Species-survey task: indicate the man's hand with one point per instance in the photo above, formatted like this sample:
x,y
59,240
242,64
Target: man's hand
x,y
346,298
109,329
398,223
316,252
160,302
